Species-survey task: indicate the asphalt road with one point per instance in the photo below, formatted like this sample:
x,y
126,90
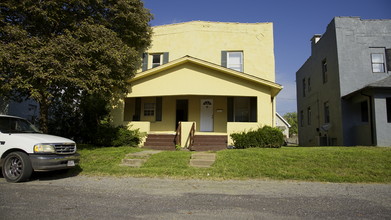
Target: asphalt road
x,y
82,197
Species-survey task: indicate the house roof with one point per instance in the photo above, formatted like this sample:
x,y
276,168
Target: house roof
x,y
283,120
275,88
384,83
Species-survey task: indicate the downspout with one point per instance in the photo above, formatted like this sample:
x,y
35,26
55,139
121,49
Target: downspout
x,y
371,117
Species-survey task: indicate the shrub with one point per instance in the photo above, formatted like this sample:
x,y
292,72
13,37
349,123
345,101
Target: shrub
x,y
265,137
108,135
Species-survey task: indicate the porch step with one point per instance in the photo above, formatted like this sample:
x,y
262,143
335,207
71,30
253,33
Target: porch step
x,y
210,142
160,142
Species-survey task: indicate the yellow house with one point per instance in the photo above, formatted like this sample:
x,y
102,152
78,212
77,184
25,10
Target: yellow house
x,y
200,82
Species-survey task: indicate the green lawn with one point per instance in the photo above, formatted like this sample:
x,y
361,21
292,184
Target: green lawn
x,y
328,164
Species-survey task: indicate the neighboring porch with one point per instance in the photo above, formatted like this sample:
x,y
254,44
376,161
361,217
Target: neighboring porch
x,y
190,121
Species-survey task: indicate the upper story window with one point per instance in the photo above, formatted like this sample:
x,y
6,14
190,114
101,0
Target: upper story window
x,y
153,60
378,62
326,109
157,60
309,84
235,61
324,71
304,87
232,60
309,116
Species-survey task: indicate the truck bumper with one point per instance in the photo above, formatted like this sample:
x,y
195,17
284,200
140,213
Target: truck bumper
x,y
54,162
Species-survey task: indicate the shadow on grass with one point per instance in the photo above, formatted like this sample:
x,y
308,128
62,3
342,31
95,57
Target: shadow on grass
x,y
57,174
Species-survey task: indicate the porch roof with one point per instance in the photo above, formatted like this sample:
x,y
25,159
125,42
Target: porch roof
x,y
274,87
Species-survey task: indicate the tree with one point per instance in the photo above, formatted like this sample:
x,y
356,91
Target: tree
x,y
291,118
66,49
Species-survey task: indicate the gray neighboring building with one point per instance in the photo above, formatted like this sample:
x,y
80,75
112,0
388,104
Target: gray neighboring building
x,y
344,88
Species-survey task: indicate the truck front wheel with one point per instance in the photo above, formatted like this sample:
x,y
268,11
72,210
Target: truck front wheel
x,y
17,167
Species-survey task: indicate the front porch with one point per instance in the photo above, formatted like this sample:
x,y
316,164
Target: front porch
x,y
191,121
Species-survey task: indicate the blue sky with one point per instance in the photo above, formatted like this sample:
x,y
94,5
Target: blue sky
x,y
294,21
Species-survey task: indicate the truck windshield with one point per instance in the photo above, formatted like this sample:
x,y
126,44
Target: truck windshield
x,y
16,125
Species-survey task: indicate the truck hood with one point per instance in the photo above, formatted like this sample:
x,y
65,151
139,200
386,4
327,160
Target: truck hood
x,y
40,138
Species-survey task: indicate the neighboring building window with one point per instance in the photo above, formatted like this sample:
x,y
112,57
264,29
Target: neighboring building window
x,y
388,107
364,111
326,108
309,84
378,63
149,109
235,61
324,71
309,115
156,60
301,118
304,87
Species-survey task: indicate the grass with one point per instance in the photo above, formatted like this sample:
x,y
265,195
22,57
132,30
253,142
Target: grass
x,y
325,164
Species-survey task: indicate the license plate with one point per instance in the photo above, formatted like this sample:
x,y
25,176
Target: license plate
x,y
71,163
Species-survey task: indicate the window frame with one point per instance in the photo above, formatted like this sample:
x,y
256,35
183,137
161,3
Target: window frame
x,y
149,109
241,67
160,55
382,63
309,115
326,111
324,71
304,85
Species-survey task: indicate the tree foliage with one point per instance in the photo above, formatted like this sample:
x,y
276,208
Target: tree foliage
x,y
291,118
58,51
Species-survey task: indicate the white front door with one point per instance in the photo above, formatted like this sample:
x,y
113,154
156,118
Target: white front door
x,y
206,115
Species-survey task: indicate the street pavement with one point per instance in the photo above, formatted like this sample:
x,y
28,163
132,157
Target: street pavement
x,y
86,197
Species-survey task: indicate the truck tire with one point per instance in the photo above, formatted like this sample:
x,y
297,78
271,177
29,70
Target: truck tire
x,y
17,167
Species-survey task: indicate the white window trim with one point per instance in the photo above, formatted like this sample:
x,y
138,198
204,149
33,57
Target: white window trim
x,y
161,59
241,60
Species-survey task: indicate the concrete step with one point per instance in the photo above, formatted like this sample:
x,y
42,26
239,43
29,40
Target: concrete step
x,y
202,159
133,162
204,156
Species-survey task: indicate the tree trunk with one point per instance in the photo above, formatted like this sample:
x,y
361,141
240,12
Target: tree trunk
x,y
44,115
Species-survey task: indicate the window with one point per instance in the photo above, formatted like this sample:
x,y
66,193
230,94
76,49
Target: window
x,y
388,107
235,61
309,84
324,71
326,112
156,60
304,87
301,118
242,109
364,111
377,63
149,109
309,115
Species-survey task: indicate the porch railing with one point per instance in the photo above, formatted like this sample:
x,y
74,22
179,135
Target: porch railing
x,y
191,135
178,134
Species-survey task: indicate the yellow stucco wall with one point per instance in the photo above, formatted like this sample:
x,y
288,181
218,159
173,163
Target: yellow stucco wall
x,y
194,81
206,40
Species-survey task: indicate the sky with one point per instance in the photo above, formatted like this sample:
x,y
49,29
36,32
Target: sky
x,y
294,24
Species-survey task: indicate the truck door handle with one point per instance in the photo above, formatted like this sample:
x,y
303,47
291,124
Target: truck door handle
x,y
2,142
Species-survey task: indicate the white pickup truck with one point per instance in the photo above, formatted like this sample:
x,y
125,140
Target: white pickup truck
x,y
24,149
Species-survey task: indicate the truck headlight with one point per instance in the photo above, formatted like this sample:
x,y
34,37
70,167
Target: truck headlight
x,y
44,148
